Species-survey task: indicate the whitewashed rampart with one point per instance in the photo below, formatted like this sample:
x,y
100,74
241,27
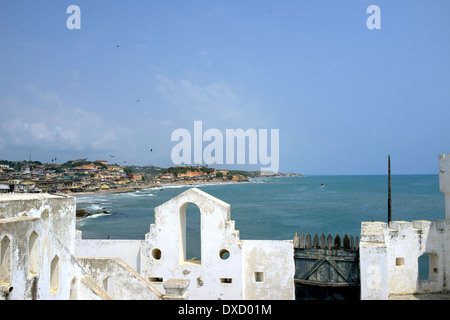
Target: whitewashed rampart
x,y
127,250
42,256
57,211
229,267
390,253
37,261
35,264
119,280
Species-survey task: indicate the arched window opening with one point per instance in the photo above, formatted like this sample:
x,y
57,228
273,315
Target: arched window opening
x,y
428,267
5,261
33,253
54,275
190,222
108,285
73,289
45,216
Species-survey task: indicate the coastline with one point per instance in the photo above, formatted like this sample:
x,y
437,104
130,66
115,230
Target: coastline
x,y
82,213
148,186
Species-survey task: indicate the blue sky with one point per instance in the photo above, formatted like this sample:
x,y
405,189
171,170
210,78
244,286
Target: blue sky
x,y
342,96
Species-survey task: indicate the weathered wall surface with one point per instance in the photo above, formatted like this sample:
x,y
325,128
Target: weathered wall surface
x,y
39,243
119,280
57,211
222,271
163,253
268,270
37,237
44,257
127,250
389,258
53,275
390,253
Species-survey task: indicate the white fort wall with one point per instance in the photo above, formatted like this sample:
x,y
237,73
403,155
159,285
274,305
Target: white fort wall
x,y
228,265
229,268
390,253
42,256
36,260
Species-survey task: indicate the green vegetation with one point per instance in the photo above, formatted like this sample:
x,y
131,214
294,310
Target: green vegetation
x,y
17,165
72,164
247,174
127,170
184,169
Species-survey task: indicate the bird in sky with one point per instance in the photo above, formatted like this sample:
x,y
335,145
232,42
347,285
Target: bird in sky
x,y
111,156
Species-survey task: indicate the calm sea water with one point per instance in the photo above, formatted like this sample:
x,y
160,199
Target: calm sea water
x,y
275,208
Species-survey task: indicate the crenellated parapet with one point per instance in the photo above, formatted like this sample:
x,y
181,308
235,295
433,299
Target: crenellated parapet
x,y
390,252
390,255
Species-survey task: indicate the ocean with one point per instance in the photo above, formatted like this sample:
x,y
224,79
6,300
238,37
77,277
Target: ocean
x,y
273,208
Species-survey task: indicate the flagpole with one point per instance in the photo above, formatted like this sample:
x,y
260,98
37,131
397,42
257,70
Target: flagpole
x,y
389,189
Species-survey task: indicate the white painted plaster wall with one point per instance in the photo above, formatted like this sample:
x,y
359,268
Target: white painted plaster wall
x,y
207,276
389,259
52,219
38,286
274,261
119,280
127,250
214,277
57,211
389,254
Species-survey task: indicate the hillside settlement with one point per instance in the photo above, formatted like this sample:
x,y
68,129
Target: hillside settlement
x,y
82,176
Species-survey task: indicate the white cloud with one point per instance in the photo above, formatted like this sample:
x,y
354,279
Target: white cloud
x,y
211,101
42,119
216,104
68,137
40,131
51,98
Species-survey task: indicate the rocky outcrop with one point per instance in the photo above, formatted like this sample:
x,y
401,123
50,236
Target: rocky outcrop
x,y
82,213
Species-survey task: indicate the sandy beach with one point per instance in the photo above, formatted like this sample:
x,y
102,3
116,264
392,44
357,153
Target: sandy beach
x,y
147,186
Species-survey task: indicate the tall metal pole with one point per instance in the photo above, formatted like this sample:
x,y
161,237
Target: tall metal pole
x,y
389,189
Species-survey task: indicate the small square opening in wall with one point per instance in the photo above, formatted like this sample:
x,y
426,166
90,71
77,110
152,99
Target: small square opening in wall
x,y
399,262
155,279
226,280
259,276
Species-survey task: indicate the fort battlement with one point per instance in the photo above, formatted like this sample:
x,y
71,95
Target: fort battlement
x,y
42,256
390,252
